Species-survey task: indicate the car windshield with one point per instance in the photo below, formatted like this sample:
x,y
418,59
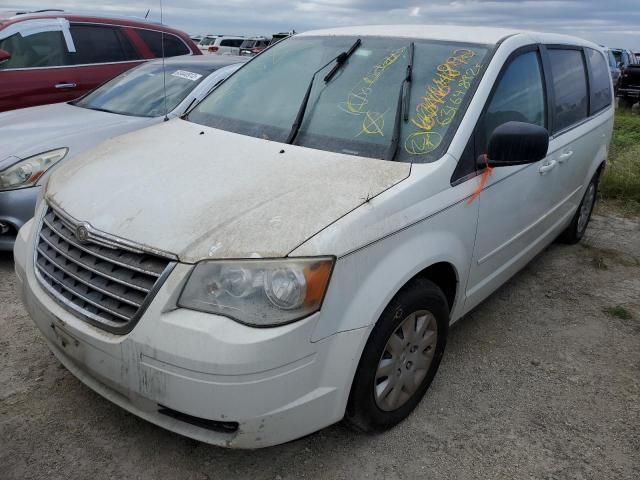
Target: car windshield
x,y
207,41
355,112
140,92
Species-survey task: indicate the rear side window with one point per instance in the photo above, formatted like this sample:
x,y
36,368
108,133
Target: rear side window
x,y
570,87
519,96
173,46
230,43
44,49
601,83
100,44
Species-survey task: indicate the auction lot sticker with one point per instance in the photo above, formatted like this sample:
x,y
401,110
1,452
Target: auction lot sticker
x,y
187,75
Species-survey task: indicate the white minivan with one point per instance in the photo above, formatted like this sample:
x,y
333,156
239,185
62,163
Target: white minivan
x,y
293,252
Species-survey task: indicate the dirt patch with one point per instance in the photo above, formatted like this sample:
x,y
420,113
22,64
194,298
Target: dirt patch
x,y
537,382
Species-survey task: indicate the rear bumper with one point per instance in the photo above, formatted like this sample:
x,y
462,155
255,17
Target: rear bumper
x,y
275,384
16,208
628,92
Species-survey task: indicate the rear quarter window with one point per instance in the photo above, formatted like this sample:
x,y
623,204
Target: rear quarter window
x,y
230,43
601,83
173,46
569,79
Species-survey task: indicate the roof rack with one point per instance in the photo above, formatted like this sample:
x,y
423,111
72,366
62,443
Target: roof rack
x,y
44,10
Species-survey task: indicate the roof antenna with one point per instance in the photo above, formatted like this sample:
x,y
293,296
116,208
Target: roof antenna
x,y
164,73
147,14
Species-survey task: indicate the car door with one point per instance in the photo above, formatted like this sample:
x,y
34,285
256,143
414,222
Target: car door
x,y
515,206
40,70
102,53
576,139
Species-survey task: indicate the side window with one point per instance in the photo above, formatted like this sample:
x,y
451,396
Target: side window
x,y
519,96
601,87
227,43
100,44
173,46
570,87
44,49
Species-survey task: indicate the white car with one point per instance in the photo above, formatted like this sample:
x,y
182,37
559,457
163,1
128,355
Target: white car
x,y
221,44
294,251
36,139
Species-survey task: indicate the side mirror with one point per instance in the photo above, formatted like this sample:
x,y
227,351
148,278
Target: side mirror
x,y
4,56
516,143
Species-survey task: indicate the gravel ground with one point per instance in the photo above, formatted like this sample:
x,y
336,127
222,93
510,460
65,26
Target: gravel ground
x,y
538,382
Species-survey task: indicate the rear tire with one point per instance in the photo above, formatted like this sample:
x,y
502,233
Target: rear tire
x,y
575,231
400,358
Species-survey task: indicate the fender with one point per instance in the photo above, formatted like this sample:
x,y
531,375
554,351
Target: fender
x,y
365,281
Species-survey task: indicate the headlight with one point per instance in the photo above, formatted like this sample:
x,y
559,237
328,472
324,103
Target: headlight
x,y
26,172
261,293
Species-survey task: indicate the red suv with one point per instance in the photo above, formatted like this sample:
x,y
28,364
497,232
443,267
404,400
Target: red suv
x,y
50,57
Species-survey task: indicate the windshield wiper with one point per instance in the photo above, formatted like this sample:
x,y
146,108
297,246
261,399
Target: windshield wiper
x,y
403,106
341,58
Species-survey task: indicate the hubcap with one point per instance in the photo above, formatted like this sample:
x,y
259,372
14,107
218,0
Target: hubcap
x,y
405,360
585,208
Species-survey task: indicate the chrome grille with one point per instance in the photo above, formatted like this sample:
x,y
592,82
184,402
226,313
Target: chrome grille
x,y
108,286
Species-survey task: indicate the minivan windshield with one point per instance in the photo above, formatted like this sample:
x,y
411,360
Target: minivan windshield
x,y
354,113
140,92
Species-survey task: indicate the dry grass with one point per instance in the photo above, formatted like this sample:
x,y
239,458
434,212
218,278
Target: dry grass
x,y
620,185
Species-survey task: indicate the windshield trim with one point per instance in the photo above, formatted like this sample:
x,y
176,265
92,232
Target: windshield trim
x,y
450,133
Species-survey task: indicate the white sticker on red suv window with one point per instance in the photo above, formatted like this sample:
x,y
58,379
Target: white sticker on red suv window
x,y
187,75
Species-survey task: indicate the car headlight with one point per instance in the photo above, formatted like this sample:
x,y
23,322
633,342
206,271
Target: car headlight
x,y
27,172
261,293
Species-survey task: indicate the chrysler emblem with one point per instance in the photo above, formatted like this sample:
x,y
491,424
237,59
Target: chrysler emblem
x,y
82,232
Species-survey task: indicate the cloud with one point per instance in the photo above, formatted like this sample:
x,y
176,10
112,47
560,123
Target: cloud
x,y
611,22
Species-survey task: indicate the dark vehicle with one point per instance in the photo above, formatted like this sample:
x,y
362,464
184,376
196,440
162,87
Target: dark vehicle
x,y
253,46
281,36
614,70
623,57
629,85
48,57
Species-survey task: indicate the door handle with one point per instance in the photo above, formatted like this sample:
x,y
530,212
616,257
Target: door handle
x,y
547,167
65,86
563,157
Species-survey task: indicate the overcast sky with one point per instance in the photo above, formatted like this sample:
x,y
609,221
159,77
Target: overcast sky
x,y
609,22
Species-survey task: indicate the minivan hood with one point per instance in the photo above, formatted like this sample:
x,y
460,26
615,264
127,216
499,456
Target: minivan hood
x,y
30,131
199,192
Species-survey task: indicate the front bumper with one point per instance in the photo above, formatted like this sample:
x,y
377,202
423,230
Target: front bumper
x,y
16,207
274,383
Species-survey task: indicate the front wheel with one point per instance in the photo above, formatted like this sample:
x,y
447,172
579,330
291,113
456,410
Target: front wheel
x,y
400,359
575,231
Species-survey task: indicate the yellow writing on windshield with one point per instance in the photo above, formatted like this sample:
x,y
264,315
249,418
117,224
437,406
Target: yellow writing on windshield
x,y
437,92
358,97
441,101
373,124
